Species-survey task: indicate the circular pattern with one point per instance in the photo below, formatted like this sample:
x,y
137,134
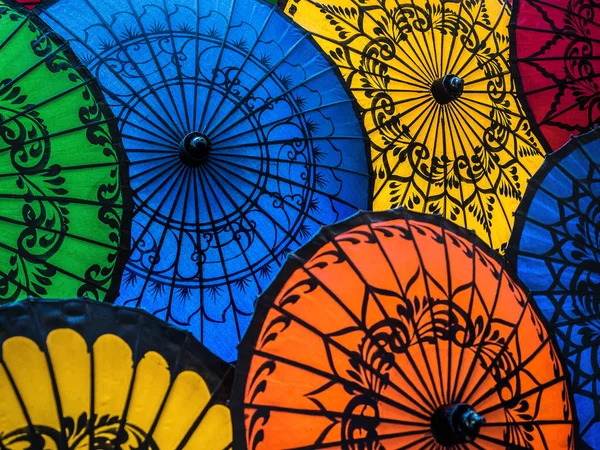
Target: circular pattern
x,y
287,150
556,55
62,180
406,317
556,251
81,374
468,159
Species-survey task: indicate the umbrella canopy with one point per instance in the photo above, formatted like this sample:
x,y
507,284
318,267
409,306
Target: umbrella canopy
x,y
243,142
555,249
62,175
556,54
77,374
418,338
448,134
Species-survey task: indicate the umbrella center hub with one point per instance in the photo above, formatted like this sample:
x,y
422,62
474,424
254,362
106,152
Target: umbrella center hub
x,y
455,424
447,88
194,149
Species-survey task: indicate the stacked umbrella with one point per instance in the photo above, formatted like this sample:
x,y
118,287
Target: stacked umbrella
x,y
220,138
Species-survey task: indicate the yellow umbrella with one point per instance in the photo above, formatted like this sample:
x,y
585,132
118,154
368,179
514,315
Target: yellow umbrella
x,y
77,374
432,77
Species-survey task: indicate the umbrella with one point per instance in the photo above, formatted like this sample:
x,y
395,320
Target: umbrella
x,y
418,338
78,374
555,249
556,55
243,142
448,134
63,180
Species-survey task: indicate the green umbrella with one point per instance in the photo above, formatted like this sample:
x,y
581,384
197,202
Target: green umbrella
x,y
62,176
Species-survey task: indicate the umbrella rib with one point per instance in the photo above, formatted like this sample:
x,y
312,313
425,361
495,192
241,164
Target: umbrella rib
x,y
200,125
61,133
557,32
502,443
556,231
447,398
178,67
368,288
265,212
176,180
539,388
549,120
445,69
26,111
469,372
294,162
330,413
367,440
426,98
63,169
58,269
454,396
26,19
168,308
120,77
286,181
170,161
360,53
568,12
169,134
429,111
500,168
57,400
491,32
240,68
242,251
157,65
162,140
477,191
429,71
570,81
200,308
428,402
11,82
335,377
215,233
463,108
270,74
509,375
13,385
212,401
264,191
196,73
62,233
426,277
283,94
301,113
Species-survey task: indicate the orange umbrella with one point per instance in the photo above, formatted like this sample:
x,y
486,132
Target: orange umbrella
x,y
398,330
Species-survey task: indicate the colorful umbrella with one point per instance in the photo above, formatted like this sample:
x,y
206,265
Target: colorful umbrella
x,y
555,249
433,81
77,374
556,52
418,338
243,142
62,181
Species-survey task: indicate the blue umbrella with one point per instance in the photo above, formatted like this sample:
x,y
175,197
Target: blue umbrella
x,y
242,139
555,248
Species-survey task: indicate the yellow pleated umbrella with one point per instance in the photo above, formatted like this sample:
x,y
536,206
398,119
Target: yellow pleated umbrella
x,y
433,80
76,374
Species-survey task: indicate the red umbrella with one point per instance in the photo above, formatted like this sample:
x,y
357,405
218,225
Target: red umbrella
x,y
557,49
